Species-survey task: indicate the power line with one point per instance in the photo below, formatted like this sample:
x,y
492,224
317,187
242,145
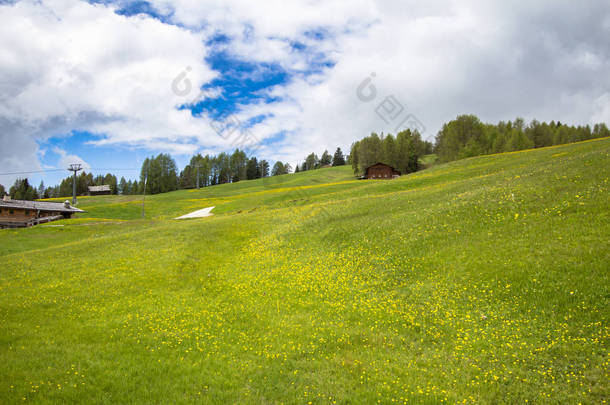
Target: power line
x,y
33,171
61,170
115,169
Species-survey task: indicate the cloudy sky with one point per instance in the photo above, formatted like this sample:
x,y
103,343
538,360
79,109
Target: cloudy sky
x,y
109,83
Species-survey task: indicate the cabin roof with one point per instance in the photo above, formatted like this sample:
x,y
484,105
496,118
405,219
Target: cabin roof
x,y
104,187
382,164
38,205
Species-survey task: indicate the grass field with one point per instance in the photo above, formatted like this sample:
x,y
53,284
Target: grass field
x,y
484,280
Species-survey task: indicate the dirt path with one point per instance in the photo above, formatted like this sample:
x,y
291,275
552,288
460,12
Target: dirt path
x,y
198,214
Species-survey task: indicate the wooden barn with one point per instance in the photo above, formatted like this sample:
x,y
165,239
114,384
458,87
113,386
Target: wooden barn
x,y
100,190
20,213
381,171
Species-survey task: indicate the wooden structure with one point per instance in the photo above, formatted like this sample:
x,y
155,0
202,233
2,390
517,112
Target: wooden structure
x,y
21,213
381,171
100,190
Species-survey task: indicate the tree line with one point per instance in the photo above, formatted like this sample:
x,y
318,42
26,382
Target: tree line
x,y
223,168
159,174
467,136
312,161
460,138
402,151
23,190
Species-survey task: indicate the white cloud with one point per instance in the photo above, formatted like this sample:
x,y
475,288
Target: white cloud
x,y
602,108
74,65
499,61
66,159
70,65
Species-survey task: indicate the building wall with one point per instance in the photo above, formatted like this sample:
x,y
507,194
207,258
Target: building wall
x,y
379,172
16,214
23,215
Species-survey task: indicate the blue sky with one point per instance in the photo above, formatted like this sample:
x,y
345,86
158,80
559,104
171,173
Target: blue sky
x,y
242,82
94,82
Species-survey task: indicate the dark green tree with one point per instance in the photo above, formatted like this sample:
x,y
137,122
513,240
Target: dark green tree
x,y
22,190
280,168
312,161
264,168
253,169
389,152
238,164
402,152
222,164
135,188
466,136
600,131
353,156
122,187
517,141
159,173
460,138
338,158
326,159
110,180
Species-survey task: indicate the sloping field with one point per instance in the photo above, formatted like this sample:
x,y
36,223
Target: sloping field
x,y
483,280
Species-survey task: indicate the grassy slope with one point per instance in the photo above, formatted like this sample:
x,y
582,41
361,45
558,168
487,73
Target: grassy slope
x,y
480,280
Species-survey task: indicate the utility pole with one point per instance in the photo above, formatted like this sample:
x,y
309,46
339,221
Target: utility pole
x,y
144,198
74,167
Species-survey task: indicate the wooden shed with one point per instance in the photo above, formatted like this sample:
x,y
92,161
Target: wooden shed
x,y
100,190
21,213
381,171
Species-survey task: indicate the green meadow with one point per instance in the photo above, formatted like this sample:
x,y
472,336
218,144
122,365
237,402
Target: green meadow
x,y
484,280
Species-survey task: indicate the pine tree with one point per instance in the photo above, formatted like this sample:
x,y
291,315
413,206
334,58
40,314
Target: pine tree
x,y
122,188
278,169
312,162
160,174
252,169
338,158
22,190
264,168
326,159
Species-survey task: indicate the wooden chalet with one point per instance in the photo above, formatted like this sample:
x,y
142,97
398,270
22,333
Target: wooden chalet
x,y
21,213
381,171
100,190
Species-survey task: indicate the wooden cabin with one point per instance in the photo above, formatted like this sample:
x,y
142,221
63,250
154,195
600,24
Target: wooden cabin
x,y
381,171
21,213
100,190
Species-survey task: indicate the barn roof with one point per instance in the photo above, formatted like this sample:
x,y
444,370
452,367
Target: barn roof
x,y
382,164
39,205
99,188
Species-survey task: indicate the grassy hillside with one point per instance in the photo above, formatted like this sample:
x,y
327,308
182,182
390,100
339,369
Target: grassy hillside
x,y
483,280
